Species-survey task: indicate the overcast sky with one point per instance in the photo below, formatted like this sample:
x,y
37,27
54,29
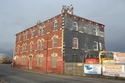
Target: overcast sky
x,y
18,15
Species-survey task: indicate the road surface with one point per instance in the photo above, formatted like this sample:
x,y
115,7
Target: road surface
x,y
15,75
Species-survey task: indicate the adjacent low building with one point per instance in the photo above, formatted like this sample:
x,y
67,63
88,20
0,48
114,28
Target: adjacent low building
x,y
48,45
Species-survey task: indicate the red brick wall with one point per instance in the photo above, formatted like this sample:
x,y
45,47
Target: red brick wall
x,y
47,51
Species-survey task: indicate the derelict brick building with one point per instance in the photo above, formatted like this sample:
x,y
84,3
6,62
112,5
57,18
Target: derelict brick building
x,y
48,45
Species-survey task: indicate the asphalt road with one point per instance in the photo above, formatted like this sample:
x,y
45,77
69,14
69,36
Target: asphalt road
x,y
15,75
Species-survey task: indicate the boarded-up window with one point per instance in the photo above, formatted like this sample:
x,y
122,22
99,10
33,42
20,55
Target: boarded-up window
x,y
40,61
31,47
38,45
23,60
16,61
25,48
42,44
54,61
37,61
18,49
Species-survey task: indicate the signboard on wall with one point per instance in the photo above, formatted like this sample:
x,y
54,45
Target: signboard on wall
x,y
119,57
114,70
92,69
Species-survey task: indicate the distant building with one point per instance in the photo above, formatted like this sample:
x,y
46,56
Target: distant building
x,y
48,45
4,58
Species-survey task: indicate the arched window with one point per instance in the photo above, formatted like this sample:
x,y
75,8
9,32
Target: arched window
x,y
18,49
39,60
42,44
38,45
75,43
23,48
23,60
54,60
54,42
31,46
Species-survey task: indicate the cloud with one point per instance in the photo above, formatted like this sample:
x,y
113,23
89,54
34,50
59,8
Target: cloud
x,y
8,52
18,15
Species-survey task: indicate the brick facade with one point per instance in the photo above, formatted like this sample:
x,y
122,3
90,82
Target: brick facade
x,y
51,56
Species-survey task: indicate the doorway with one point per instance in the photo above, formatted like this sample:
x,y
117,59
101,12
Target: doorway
x,y
30,61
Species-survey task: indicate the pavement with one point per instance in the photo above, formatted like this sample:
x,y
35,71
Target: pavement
x,y
16,75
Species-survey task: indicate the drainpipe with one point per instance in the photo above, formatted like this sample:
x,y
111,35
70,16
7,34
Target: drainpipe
x,y
47,57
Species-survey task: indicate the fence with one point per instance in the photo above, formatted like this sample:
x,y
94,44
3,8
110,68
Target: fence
x,y
105,70
95,69
74,68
